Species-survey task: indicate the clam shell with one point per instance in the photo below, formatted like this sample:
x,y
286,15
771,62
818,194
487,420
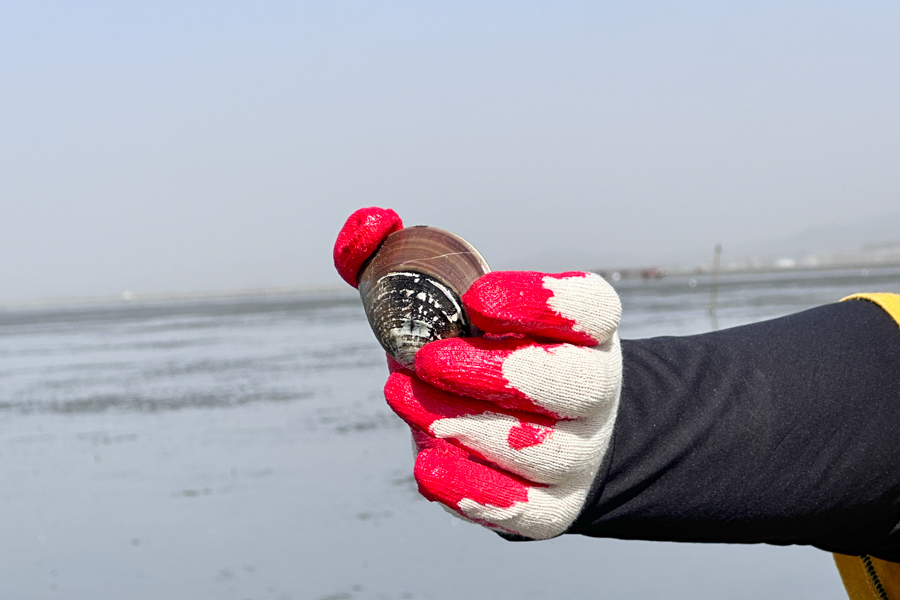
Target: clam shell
x,y
411,289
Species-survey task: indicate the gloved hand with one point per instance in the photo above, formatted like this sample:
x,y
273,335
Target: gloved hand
x,y
511,427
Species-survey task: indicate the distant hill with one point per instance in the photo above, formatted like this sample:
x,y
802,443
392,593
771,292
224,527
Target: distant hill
x,y
874,239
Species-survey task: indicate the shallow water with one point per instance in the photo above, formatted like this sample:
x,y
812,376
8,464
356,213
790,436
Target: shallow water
x,y
240,448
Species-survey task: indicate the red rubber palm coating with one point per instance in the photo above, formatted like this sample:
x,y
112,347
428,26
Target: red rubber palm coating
x,y
474,367
446,477
518,302
420,405
360,237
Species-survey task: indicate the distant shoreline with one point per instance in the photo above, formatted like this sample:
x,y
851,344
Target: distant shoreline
x,y
343,291
742,269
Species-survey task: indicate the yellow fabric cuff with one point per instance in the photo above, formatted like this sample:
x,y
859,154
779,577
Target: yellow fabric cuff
x,y
866,577
869,578
889,302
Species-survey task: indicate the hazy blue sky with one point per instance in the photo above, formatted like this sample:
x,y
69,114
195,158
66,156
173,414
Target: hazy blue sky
x,y
175,146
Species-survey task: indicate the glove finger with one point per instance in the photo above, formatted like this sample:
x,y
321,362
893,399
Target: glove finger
x,y
435,411
575,307
531,446
496,499
423,441
559,380
360,236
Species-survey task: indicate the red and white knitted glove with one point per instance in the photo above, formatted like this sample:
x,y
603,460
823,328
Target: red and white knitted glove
x,y
510,428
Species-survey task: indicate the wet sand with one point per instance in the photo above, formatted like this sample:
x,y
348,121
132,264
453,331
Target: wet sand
x,y
240,448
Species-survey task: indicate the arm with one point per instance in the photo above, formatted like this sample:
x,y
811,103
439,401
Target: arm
x,y
785,432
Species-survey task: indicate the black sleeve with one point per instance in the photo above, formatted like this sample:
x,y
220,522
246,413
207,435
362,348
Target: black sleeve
x,y
784,432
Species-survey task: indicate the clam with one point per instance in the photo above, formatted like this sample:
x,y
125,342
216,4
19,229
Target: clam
x,y
411,289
